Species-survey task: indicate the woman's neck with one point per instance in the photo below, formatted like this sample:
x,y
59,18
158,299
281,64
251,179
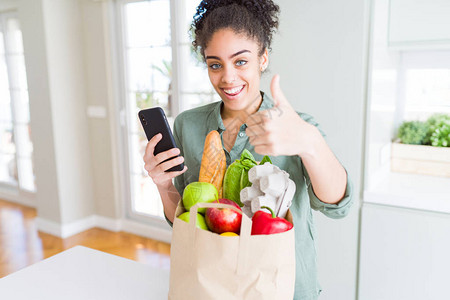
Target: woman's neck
x,y
229,116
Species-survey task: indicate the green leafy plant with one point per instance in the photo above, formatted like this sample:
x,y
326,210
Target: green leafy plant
x,y
165,70
438,130
435,131
413,132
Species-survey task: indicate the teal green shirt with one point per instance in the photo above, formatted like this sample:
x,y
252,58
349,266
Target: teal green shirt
x,y
190,130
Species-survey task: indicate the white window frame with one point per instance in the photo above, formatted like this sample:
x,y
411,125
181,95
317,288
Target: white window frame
x,y
122,109
177,16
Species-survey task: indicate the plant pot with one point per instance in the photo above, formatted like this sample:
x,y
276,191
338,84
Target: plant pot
x,y
420,159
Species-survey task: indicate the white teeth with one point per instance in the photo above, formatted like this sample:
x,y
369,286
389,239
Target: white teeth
x,y
233,90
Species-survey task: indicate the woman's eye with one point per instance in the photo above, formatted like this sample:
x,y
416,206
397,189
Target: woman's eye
x,y
241,62
214,66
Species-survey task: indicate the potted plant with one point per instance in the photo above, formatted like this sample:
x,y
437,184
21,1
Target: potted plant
x,y
423,147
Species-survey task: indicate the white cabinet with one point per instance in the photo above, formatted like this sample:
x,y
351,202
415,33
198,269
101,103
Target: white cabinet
x,y
419,24
404,254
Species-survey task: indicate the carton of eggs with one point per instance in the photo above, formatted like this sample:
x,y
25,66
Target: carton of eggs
x,y
270,187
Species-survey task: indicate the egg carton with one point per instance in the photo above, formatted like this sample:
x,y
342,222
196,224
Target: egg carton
x,y
270,187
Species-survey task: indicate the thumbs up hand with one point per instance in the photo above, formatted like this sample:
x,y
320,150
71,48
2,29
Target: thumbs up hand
x,y
280,130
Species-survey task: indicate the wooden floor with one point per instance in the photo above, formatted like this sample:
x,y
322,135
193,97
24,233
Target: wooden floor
x,y
22,245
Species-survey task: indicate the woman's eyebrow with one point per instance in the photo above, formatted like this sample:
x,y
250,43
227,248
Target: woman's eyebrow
x,y
233,55
239,52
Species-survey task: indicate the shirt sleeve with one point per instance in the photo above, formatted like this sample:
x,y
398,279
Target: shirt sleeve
x,y
309,119
334,211
179,180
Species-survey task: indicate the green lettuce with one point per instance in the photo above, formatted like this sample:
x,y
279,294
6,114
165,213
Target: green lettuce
x,y
265,159
236,177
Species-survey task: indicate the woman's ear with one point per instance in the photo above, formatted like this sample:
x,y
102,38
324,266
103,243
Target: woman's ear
x,y
264,61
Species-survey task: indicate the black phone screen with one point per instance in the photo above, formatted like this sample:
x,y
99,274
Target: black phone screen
x,y
154,121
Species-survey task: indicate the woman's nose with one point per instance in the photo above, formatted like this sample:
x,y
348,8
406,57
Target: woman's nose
x,y
229,75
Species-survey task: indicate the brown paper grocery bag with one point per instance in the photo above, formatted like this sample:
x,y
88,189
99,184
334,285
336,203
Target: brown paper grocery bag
x,y
206,265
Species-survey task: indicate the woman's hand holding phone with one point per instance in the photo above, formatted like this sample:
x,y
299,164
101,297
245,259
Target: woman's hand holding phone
x,y
156,165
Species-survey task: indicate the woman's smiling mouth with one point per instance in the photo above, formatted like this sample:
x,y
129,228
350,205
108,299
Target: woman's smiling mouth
x,y
233,91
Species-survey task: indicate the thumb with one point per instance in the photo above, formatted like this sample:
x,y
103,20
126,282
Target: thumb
x,y
277,93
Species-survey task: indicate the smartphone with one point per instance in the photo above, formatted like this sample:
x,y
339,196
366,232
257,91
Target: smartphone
x,y
154,121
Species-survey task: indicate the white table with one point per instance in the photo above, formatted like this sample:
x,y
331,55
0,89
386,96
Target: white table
x,y
84,273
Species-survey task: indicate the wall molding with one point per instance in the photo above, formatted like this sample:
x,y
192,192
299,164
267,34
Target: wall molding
x,y
160,233
155,231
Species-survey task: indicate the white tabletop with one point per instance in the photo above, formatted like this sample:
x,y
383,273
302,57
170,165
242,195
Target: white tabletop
x,y
83,273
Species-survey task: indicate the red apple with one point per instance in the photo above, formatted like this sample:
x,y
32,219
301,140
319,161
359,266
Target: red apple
x,y
220,220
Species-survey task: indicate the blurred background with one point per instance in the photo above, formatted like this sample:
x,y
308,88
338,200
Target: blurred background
x,y
74,74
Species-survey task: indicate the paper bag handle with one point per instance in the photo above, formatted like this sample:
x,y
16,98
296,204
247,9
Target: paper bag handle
x,y
244,236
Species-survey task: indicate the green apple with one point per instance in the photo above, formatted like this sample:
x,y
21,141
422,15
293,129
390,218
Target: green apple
x,y
196,192
199,223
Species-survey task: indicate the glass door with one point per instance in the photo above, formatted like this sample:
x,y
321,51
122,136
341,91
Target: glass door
x,y
147,61
159,69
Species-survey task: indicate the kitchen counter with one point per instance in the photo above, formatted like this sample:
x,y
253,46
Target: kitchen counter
x,y
84,273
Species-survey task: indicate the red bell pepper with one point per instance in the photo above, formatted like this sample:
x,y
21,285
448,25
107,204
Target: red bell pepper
x,y
265,223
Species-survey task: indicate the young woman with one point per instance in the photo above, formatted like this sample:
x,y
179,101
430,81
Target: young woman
x,y
234,38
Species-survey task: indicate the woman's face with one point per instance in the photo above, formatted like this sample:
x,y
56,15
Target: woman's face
x,y
234,68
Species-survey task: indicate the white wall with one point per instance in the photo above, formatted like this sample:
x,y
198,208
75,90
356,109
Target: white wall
x,y
67,79
35,51
97,53
320,55
6,5
54,59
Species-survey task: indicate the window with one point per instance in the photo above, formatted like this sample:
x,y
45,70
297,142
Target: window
x,y
16,165
160,69
195,87
426,83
